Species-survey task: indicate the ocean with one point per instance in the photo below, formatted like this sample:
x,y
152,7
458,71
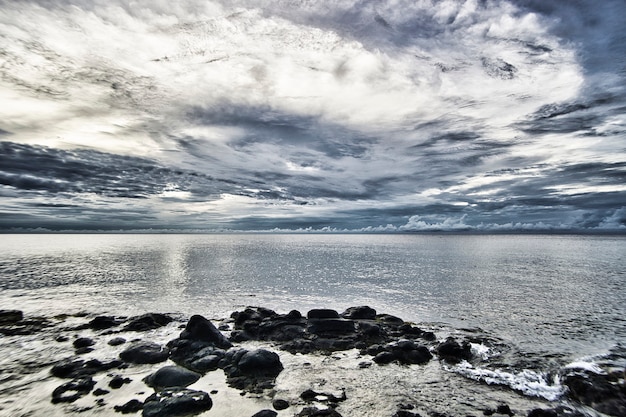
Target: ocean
x,y
547,300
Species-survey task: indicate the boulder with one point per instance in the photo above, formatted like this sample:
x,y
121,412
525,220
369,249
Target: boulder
x,y
10,316
72,390
197,356
200,329
317,412
359,313
76,368
266,413
451,351
103,322
116,341
130,407
171,376
118,381
83,342
322,313
540,412
331,327
279,404
148,321
145,352
260,362
176,402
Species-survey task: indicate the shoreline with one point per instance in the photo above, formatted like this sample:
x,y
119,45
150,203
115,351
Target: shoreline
x,y
344,361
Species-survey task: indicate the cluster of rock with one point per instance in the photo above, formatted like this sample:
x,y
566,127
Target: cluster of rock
x,y
201,348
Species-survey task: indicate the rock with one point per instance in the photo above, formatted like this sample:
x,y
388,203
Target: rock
x,y
279,404
171,376
130,407
103,322
61,338
148,321
118,381
82,342
450,350
311,395
176,402
197,356
359,313
71,368
145,352
322,313
116,341
405,413
200,329
317,412
505,410
100,391
331,327
260,362
266,413
384,358
539,412
388,319
10,316
72,390
605,393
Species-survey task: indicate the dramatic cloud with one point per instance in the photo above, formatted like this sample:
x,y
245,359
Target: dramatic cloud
x,y
374,116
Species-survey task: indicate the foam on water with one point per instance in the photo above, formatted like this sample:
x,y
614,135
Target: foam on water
x,y
525,381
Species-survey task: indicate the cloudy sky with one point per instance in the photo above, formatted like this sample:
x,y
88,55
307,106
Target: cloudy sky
x,y
292,114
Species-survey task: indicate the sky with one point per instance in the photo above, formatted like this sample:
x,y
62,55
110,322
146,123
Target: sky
x,y
302,115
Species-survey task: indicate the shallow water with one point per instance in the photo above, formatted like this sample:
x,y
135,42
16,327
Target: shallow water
x,y
541,302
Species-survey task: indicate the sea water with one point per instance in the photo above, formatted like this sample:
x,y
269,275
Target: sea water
x,y
541,302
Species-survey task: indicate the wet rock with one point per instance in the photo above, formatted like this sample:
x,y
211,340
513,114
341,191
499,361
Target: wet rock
x,y
256,323
72,390
197,356
148,321
23,327
279,404
318,412
83,342
311,395
10,316
390,320
176,402
405,413
130,407
605,393
118,381
61,338
100,392
266,413
145,352
103,322
504,409
451,351
251,370
404,351
384,358
331,327
322,313
539,412
199,328
171,376
76,368
116,341
359,313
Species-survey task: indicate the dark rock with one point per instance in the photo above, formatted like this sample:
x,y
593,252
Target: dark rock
x,y
429,336
317,412
451,351
61,338
103,322
23,327
279,404
384,358
148,321
331,327
266,413
405,413
260,362
76,368
72,390
116,341
605,393
171,376
145,352
322,313
118,381
83,350
539,412
388,319
200,329
176,402
252,314
369,330
311,395
130,407
504,409
10,316
197,356
359,313
82,342
100,391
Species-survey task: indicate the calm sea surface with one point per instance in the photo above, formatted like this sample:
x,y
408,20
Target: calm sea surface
x,y
548,295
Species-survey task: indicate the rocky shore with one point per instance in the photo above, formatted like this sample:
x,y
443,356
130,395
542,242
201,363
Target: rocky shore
x,y
257,348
